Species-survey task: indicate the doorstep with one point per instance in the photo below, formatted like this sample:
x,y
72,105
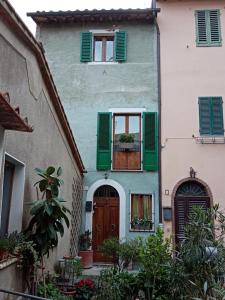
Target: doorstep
x,y
95,270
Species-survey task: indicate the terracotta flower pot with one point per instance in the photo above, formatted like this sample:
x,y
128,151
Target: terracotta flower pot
x,y
86,258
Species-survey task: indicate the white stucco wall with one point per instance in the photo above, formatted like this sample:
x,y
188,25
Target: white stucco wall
x,y
187,73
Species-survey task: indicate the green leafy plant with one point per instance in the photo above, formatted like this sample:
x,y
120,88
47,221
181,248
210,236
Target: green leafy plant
x,y
50,291
48,213
85,241
126,138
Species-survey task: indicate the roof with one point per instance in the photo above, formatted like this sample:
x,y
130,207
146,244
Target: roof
x,y
10,117
103,15
13,21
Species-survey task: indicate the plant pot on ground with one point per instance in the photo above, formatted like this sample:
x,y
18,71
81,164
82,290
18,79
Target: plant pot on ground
x,y
85,252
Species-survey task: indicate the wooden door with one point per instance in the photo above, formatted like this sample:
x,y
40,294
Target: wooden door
x,y
183,208
105,224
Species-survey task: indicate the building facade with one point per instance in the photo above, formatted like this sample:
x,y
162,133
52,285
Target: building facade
x,y
192,80
29,91
105,66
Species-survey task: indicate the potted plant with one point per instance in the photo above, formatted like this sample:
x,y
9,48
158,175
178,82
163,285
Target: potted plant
x,y
126,141
86,253
85,289
4,248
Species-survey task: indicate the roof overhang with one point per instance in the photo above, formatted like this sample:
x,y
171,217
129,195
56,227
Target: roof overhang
x,y
103,15
10,118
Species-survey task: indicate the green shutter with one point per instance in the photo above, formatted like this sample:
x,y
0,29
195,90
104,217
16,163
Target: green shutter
x,y
86,47
215,33
208,29
217,116
104,141
150,141
205,115
120,46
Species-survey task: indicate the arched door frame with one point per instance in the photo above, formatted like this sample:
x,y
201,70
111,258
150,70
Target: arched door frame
x,y
122,200
174,195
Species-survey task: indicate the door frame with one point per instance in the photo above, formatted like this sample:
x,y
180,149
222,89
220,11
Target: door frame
x,y
122,204
173,196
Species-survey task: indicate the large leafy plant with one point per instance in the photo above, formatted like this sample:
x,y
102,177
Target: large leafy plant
x,y
48,212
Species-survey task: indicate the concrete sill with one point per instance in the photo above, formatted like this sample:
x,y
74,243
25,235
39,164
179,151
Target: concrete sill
x,y
130,171
5,263
103,63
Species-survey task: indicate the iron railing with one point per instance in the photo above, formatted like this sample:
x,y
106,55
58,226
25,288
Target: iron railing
x,y
20,296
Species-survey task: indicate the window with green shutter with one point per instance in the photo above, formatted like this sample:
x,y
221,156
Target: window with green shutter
x,y
211,116
150,141
86,47
208,29
104,141
108,47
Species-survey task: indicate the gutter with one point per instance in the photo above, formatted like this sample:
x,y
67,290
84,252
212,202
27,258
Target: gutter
x,y
155,12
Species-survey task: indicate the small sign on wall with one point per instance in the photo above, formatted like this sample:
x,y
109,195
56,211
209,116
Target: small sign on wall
x,y
88,206
167,213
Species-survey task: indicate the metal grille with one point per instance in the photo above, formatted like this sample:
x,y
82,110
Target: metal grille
x,y
77,190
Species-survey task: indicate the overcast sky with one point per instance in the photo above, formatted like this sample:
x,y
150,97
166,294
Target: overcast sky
x,y
24,6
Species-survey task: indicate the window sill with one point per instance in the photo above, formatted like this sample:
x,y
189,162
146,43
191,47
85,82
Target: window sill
x,y
5,263
210,139
103,63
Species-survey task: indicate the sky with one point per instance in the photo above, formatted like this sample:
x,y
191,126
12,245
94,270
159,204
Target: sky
x,y
24,6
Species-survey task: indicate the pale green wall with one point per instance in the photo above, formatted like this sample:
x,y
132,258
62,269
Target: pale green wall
x,y
87,89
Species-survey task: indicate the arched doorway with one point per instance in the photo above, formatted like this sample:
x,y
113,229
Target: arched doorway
x,y
188,194
105,219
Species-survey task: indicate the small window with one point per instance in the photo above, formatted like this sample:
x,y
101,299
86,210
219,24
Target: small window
x,y
103,48
211,116
208,29
127,142
141,213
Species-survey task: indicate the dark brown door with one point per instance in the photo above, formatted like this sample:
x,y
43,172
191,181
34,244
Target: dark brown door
x,y
105,223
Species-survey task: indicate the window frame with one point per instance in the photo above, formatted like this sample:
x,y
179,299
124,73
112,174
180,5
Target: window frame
x,y
152,213
210,98
208,43
127,114
104,38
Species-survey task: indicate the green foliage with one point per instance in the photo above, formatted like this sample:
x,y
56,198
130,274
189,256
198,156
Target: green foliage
x,y
122,252
50,291
48,214
73,266
85,289
116,285
126,138
85,241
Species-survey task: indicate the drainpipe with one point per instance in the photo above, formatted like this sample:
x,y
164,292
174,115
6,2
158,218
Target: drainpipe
x,y
155,11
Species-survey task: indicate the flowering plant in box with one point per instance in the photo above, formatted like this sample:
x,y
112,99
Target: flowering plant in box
x,y
85,289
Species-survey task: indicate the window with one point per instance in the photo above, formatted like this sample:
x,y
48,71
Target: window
x,y
208,29
211,116
141,213
127,141
103,48
107,47
12,197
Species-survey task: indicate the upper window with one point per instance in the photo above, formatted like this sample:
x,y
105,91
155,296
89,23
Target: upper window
x,y
126,135
103,47
127,142
208,29
211,116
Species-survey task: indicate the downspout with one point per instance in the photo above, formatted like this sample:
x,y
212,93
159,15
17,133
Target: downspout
x,y
155,11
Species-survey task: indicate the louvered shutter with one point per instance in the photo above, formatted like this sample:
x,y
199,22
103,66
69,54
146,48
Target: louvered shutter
x,y
214,21
201,27
183,211
217,116
205,115
150,141
104,141
180,218
86,47
120,46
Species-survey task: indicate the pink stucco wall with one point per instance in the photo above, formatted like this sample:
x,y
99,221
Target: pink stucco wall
x,y
187,73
